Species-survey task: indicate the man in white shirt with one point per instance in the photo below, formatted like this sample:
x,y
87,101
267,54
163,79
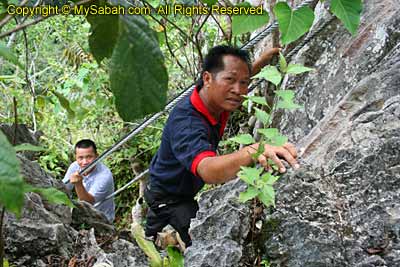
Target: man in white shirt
x,y
94,185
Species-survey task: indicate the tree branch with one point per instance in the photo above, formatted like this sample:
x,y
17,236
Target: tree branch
x,y
33,22
9,17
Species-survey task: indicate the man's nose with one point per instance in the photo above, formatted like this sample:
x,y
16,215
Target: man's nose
x,y
236,89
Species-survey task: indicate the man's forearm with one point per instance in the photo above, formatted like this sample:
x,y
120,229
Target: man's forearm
x,y
263,60
220,169
83,194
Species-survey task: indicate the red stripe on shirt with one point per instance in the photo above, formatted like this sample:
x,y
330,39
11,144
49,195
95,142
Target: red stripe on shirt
x,y
199,157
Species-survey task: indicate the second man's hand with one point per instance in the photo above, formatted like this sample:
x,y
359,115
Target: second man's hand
x,y
76,178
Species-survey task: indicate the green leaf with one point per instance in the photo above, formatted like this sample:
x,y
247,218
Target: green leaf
x,y
248,23
103,35
139,79
270,73
282,63
297,69
267,195
7,54
348,11
279,140
269,179
147,246
258,99
287,105
11,182
209,2
286,99
269,132
51,194
293,23
176,259
262,116
250,193
64,103
244,139
28,147
249,174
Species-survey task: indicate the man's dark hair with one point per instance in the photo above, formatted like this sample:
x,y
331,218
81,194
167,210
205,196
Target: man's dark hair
x,y
86,143
213,62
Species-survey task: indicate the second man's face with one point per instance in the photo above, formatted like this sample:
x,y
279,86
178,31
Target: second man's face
x,y
228,85
85,156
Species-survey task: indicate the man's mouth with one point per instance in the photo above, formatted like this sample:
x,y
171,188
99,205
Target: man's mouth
x,y
235,101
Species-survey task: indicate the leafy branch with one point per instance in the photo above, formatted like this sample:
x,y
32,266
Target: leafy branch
x,y
260,183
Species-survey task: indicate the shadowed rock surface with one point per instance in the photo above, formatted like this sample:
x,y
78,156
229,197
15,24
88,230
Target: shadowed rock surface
x,y
49,235
342,208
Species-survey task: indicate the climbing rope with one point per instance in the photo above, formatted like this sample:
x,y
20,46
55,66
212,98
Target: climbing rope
x,y
188,91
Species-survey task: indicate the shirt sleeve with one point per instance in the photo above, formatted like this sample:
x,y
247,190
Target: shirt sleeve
x,y
190,144
71,169
102,187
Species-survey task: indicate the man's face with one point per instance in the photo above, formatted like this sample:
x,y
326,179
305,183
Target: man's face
x,y
84,156
226,87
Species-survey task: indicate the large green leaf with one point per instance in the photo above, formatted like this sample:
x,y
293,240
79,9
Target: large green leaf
x,y
262,116
269,179
269,132
248,23
51,194
104,35
244,139
271,74
293,23
282,63
147,246
209,2
297,69
286,99
257,99
7,54
267,195
250,193
28,147
250,174
64,103
11,182
175,257
348,11
138,76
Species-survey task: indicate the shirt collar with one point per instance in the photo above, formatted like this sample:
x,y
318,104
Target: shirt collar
x,y
199,105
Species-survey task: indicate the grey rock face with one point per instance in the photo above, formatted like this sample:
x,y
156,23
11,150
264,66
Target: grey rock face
x,y
342,207
121,253
220,228
85,215
43,228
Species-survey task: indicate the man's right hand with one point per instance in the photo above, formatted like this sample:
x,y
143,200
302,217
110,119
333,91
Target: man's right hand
x,y
287,152
75,178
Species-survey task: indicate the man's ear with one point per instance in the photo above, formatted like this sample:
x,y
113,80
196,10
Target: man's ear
x,y
207,78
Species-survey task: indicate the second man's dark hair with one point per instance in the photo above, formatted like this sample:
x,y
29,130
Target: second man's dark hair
x,y
86,143
213,62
